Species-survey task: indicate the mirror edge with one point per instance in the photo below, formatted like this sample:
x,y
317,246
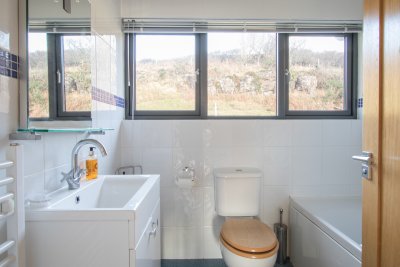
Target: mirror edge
x,y
23,63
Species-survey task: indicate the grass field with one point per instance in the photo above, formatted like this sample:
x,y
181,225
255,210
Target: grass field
x,y
236,86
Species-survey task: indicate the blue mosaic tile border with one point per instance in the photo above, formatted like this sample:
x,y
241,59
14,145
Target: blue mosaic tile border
x,y
9,64
108,98
360,102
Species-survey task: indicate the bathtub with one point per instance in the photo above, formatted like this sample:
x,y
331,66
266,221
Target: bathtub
x,y
325,231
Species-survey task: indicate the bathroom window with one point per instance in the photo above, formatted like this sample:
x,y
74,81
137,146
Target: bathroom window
x,y
241,74
59,76
320,74
166,74
236,74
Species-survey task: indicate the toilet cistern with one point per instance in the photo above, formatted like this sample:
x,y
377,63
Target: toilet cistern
x,y
73,177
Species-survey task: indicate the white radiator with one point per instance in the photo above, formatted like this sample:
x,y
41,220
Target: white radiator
x,y
12,208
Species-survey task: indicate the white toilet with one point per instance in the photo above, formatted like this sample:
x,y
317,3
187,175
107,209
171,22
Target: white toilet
x,y
245,241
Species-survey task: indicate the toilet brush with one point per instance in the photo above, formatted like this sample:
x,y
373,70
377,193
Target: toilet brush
x,y
280,230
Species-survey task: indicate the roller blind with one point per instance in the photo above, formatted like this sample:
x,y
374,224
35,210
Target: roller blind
x,y
190,26
64,26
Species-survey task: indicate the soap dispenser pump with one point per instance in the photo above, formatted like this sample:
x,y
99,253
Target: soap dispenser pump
x,y
91,165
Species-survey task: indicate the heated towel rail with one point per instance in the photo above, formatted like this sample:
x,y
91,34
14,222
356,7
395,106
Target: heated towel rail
x,y
12,208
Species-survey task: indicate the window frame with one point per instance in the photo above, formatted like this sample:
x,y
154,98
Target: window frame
x,y
350,79
130,80
55,62
282,94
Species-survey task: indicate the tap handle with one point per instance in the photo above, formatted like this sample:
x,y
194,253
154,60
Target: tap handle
x,y
65,176
79,173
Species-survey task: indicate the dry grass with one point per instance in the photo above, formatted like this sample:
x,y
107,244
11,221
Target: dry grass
x,y
236,87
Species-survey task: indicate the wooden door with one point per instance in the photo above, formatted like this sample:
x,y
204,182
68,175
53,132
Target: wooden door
x,y
381,133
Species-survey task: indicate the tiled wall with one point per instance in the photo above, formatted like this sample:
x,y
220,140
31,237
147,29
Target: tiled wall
x,y
301,157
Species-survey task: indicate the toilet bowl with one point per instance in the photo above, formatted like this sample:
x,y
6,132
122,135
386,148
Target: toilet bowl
x,y
244,240
248,243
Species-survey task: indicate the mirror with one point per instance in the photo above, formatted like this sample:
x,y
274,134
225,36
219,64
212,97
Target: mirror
x,y
59,64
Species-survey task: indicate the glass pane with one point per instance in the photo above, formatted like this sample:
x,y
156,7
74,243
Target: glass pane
x,y
38,76
316,66
77,78
165,72
241,74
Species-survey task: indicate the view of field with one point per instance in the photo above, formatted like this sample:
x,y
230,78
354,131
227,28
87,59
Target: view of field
x,y
165,72
77,78
241,74
316,66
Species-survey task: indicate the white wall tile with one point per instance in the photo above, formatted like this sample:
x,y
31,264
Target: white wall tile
x,y
307,133
168,243
247,133
167,210
356,133
327,190
218,133
33,156
247,157
57,149
156,133
159,161
189,243
275,198
215,158
278,133
210,216
277,166
338,166
211,243
307,166
130,156
34,184
189,207
337,132
130,133
188,133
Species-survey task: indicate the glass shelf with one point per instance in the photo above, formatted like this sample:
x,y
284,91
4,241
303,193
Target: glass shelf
x,y
65,130
34,133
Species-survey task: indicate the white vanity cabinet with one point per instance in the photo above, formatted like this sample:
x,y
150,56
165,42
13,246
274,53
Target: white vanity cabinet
x,y
148,250
112,221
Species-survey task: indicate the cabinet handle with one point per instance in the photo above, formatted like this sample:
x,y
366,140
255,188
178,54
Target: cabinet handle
x,y
155,227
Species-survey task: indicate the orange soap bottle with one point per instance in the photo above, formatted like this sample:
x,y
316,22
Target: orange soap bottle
x,y
91,165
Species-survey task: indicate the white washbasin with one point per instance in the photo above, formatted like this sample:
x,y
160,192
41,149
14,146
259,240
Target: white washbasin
x,y
108,221
107,192
116,196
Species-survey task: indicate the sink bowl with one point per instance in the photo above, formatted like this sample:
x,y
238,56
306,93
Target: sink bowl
x,y
108,192
110,221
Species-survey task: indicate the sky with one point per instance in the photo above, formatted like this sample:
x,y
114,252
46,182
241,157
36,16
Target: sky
x,y
181,46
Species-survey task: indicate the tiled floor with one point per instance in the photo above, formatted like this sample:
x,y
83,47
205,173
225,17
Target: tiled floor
x,y
193,263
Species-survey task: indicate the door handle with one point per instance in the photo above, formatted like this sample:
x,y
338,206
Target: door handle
x,y
366,161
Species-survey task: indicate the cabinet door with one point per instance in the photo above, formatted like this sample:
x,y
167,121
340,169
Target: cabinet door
x,y
148,252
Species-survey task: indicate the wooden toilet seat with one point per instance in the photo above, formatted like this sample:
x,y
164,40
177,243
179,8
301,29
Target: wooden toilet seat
x,y
249,238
